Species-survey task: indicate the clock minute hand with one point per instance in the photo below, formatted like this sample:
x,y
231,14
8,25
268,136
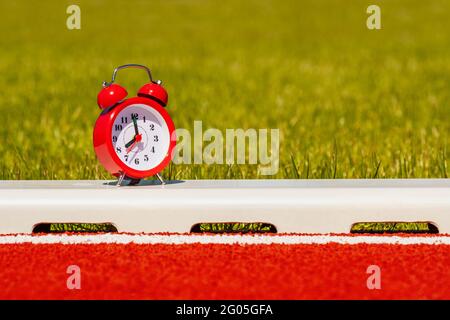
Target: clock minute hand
x,y
136,130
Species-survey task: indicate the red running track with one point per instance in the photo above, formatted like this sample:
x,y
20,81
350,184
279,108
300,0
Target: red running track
x,y
218,271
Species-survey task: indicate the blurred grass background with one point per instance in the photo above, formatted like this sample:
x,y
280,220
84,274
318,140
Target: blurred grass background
x,y
349,102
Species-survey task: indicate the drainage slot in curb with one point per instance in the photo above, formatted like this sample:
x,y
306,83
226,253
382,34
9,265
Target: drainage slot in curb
x,y
233,227
394,227
77,227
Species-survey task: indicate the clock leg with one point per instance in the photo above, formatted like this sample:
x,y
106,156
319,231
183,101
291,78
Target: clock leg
x,y
160,178
121,177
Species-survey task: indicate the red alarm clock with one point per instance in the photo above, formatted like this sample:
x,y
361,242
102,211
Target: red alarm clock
x,y
134,138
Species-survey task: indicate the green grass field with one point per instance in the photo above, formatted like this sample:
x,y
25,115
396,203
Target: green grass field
x,y
349,102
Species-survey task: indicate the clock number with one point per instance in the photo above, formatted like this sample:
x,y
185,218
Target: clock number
x,y
124,119
144,118
155,138
153,149
152,127
118,127
119,150
145,157
126,157
134,116
136,161
114,139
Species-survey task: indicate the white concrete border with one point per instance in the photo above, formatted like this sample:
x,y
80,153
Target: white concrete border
x,y
293,206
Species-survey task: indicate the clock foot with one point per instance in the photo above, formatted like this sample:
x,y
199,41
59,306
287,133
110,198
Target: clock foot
x,y
160,178
121,177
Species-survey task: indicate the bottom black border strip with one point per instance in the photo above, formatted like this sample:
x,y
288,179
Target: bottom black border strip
x,y
226,309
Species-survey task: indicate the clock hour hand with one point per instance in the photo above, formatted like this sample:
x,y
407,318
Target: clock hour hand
x,y
129,143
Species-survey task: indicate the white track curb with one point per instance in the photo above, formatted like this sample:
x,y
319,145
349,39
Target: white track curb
x,y
293,206
223,239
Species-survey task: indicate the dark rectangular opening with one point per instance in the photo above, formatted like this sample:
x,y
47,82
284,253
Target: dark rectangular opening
x,y
76,227
233,227
394,227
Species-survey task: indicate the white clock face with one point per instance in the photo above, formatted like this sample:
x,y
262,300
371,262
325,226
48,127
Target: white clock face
x,y
140,137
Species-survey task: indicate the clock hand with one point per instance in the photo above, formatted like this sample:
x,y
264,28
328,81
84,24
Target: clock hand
x,y
135,140
136,130
129,143
131,147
